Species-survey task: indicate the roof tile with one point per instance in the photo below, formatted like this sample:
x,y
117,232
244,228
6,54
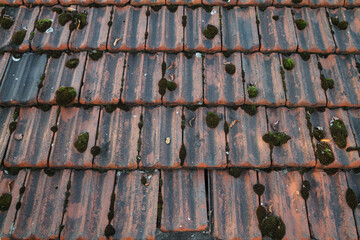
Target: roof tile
x,y
351,3
303,84
354,117
197,21
239,29
6,116
11,2
42,206
290,3
73,122
326,3
118,139
277,35
184,208
224,3
30,143
76,2
137,204
58,75
161,124
112,2
40,2
4,60
20,81
147,2
353,181
298,151
165,30
247,149
183,2
346,92
220,87
89,203
205,146
316,37
328,213
254,2
94,35
234,203
103,79
263,71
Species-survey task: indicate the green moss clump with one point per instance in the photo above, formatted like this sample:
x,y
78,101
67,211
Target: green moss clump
x,y
249,109
172,8
64,18
296,1
65,95
319,133
6,22
13,170
44,107
300,24
259,189
156,8
326,83
305,188
212,120
49,171
230,68
78,20
276,138
351,199
171,85
339,132
109,230
275,17
305,56
12,126
288,63
162,86
182,154
252,91
261,214
110,108
273,226
5,201
331,171
82,142
57,10
95,150
324,153
43,24
19,37
335,20
235,171
210,31
72,63
143,180
54,128
95,55
184,21
343,25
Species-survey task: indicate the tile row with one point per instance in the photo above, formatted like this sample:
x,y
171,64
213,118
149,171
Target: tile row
x,y
171,138
129,28
68,204
200,79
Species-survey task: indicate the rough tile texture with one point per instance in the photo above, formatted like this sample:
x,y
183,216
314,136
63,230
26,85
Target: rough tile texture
x,y
6,117
353,181
354,118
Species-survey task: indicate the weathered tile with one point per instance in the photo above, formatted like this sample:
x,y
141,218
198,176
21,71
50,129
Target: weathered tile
x,y
58,75
282,192
76,2
102,79
184,197
11,2
220,2
347,41
354,118
187,74
183,2
40,214
277,35
353,180
142,74
290,3
263,71
221,87
254,2
326,3
160,125
94,34
112,2
343,159
72,123
57,39
205,146
303,84
234,203
10,184
351,3
4,60
329,215
246,147
239,29
31,3
137,204
118,140
24,18
147,2
30,143
341,68
6,116
89,203
165,30
127,32
21,78
197,21
298,151
316,37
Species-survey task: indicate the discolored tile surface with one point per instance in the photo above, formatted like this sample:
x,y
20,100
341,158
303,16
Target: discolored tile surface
x,y
4,60
354,118
6,117
353,181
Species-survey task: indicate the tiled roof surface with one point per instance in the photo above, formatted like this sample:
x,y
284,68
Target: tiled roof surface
x,y
160,135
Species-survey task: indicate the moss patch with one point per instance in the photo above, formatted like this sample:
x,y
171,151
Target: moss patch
x,y
300,24
171,85
5,201
95,55
212,120
305,188
259,189
6,22
82,142
296,1
182,154
326,83
12,126
172,8
110,108
351,199
72,63
210,31
43,24
65,95
184,21
338,132
78,20
319,133
95,150
275,17
109,230
162,86
331,171
260,214
276,138
288,63
57,10
249,109
252,91
273,226
305,56
235,171
19,37
342,25
230,68
324,153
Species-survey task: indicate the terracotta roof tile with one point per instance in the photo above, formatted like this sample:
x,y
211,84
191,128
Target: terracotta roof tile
x,y
353,181
183,2
112,2
6,116
4,59
354,118
11,2
40,2
290,3
184,207
147,2
351,3
219,2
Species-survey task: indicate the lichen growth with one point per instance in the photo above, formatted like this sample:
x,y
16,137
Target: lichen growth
x,y
72,63
324,153
5,201
339,132
235,171
249,109
171,85
252,91
43,24
326,83
230,68
351,199
212,120
276,138
65,95
288,63
300,24
210,31
259,189
19,37
6,22
82,142
95,54
95,150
